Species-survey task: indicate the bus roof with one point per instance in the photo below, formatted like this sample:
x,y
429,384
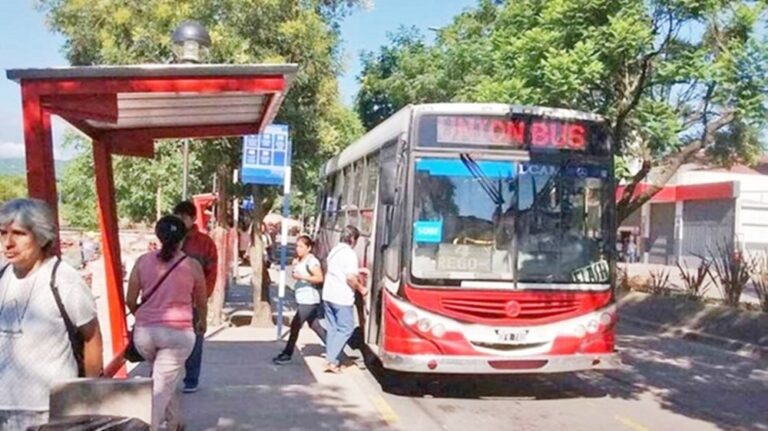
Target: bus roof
x,y
398,123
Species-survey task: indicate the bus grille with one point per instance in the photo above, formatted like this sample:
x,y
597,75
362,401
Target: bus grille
x,y
493,309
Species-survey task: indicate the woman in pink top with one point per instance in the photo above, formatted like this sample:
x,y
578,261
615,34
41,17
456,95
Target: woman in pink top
x,y
164,332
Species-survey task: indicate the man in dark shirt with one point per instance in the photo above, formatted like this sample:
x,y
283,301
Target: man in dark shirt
x,y
201,247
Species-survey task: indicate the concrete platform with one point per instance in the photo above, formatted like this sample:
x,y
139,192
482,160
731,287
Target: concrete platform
x,y
241,389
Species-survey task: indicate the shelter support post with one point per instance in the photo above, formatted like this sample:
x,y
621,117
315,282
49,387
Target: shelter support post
x,y
283,249
41,176
105,190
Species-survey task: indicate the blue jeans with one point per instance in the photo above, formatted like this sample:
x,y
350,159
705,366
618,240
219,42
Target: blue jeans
x,y
194,361
341,323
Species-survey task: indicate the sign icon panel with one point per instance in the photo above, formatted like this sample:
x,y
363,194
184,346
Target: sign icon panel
x,y
266,156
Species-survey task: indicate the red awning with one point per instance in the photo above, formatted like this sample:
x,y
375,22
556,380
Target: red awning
x,y
687,192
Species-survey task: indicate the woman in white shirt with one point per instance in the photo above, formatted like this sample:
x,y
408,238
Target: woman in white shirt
x,y
309,277
37,290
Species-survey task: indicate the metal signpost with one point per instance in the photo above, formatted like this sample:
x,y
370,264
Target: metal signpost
x,y
267,160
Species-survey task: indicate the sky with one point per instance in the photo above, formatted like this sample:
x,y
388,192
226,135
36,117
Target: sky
x,y
26,42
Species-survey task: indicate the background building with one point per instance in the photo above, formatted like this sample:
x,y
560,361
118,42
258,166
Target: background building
x,y
700,208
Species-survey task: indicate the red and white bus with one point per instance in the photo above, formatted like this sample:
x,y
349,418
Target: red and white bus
x,y
488,233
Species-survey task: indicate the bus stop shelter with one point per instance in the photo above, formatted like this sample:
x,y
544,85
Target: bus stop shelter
x,y
124,109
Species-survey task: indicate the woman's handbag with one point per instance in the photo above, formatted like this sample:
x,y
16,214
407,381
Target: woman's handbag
x,y
131,354
306,292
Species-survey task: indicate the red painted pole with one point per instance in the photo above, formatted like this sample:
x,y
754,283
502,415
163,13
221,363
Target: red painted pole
x,y
41,178
105,190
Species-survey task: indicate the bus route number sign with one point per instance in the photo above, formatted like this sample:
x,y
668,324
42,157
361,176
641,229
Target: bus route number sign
x,y
464,258
597,272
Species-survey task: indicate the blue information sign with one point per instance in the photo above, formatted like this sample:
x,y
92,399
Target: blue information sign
x,y
266,156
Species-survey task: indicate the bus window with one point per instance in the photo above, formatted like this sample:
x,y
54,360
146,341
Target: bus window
x,y
559,232
348,186
357,184
329,217
368,198
341,216
504,220
372,182
353,216
366,221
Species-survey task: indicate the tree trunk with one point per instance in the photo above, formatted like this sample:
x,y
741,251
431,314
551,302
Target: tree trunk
x,y
262,313
219,236
222,203
223,245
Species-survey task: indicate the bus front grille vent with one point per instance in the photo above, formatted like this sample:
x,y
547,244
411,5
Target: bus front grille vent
x,y
495,309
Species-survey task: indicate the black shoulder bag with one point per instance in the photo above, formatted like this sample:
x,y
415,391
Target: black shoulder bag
x,y
76,339
131,354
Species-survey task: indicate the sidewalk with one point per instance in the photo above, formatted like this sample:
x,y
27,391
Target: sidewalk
x,y
241,389
745,332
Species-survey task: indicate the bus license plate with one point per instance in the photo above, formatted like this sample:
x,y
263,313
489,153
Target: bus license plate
x,y
512,335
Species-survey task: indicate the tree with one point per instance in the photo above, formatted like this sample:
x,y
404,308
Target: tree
x,y
144,188
242,31
672,77
12,187
117,32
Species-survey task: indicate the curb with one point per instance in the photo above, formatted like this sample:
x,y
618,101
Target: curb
x,y
739,347
211,332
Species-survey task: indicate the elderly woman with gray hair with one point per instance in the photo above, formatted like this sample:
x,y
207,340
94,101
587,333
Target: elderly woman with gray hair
x,y
44,307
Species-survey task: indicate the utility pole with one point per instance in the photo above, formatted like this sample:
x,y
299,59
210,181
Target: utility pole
x,y
185,180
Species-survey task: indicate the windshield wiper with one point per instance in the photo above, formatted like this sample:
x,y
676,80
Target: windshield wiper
x,y
497,198
483,179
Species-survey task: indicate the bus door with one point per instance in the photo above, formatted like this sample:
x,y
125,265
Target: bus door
x,y
382,235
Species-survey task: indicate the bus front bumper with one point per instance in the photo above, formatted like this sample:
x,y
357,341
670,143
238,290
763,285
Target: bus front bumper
x,y
500,365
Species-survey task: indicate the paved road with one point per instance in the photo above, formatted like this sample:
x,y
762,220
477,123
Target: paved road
x,y
667,384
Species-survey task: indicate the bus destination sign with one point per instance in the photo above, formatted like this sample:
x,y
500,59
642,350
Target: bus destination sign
x,y
520,132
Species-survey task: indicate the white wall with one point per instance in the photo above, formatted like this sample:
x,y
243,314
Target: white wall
x,y
753,228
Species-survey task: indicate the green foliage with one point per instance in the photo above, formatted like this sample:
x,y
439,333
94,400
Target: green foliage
x,y
78,188
662,72
144,188
12,187
242,31
696,284
731,270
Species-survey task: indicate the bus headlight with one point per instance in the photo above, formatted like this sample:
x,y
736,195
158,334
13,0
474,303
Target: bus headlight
x,y
423,325
580,331
438,330
593,326
606,319
410,317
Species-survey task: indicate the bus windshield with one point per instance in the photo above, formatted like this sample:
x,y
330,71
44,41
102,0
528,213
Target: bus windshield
x,y
501,220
